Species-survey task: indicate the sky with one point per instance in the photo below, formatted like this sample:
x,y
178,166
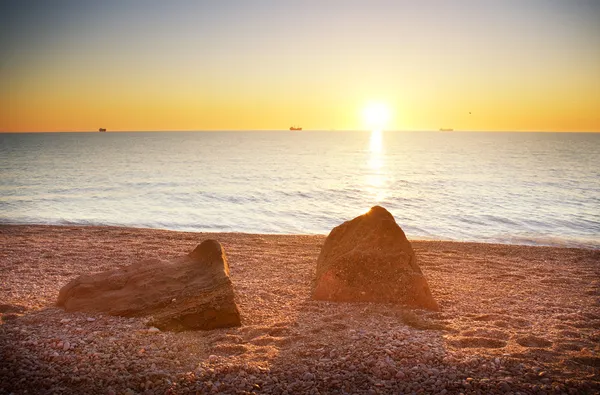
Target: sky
x,y
513,65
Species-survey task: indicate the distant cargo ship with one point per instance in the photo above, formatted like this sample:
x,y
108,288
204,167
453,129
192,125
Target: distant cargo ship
x,y
446,130
102,130
295,128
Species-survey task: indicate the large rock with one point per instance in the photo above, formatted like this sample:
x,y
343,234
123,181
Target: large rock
x,y
191,292
369,259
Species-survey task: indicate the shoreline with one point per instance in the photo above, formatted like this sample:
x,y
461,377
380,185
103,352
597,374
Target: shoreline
x,y
521,241
513,318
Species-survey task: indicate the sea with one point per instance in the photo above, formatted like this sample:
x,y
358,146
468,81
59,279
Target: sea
x,y
515,188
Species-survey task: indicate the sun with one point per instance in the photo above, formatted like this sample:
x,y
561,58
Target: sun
x,y
376,115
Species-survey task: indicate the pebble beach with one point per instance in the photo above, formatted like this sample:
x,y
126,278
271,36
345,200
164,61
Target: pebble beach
x,y
513,319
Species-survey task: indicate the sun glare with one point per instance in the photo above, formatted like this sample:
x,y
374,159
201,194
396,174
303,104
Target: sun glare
x,y
376,115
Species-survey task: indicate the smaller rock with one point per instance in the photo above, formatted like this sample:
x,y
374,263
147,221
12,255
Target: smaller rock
x,y
66,346
153,330
90,319
192,292
212,358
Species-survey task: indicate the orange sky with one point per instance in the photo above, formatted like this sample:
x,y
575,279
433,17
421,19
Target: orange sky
x,y
233,65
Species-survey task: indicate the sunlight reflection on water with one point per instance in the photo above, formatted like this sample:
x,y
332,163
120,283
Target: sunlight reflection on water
x,y
376,142
376,177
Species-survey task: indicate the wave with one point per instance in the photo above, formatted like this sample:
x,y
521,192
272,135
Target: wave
x,y
551,241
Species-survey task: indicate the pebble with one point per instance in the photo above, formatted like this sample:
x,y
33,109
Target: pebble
x,y
504,386
90,319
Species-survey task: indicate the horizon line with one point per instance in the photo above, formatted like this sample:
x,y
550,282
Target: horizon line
x,y
304,130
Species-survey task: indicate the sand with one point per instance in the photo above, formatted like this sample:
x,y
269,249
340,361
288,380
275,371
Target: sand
x,y
513,319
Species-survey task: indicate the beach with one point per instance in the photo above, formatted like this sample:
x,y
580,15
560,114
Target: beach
x,y
512,318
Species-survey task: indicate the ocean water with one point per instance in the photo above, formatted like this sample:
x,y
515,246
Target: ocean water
x,y
519,188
